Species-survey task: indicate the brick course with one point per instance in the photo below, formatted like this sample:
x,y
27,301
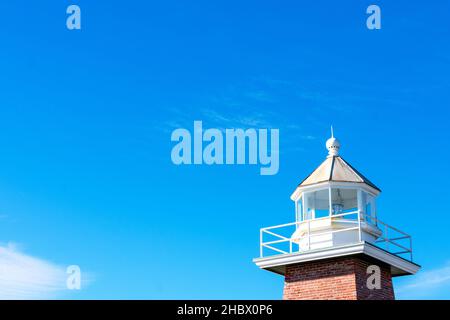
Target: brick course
x,y
341,278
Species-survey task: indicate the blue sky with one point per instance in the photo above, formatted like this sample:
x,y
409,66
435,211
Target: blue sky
x,y
86,116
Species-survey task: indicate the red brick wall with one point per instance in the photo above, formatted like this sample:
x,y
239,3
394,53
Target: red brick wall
x,y
335,279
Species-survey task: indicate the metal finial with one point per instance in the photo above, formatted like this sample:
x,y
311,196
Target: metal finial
x,y
333,145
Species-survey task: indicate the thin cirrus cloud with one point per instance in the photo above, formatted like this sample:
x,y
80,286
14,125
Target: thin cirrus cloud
x,y
251,104
427,284
25,277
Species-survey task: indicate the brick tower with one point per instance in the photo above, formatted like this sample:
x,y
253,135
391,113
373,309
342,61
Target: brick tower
x,y
336,248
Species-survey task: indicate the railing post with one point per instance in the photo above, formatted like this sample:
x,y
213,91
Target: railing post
x,y
260,243
290,245
359,226
410,248
387,237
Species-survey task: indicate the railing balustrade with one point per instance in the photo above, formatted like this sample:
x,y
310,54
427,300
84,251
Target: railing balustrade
x,y
280,239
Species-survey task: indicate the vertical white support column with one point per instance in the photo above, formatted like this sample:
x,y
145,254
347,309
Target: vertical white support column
x,y
330,202
360,197
300,210
360,210
296,211
313,205
303,207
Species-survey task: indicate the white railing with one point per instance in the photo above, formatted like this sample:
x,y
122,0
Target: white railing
x,y
393,239
278,239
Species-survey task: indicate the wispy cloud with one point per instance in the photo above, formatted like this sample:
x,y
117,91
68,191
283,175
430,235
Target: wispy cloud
x,y
260,95
426,284
254,103
250,119
25,277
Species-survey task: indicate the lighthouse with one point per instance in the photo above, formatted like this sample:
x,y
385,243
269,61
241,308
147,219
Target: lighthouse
x,y
337,247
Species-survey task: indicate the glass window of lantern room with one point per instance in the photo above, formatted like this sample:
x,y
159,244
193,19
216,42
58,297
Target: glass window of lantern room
x,y
316,204
299,209
307,207
369,207
344,201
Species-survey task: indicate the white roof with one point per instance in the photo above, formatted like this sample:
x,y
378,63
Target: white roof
x,y
334,168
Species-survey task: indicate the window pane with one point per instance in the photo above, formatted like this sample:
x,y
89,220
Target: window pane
x,y
344,200
316,204
322,203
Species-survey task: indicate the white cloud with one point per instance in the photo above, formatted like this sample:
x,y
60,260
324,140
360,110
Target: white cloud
x,y
26,277
426,284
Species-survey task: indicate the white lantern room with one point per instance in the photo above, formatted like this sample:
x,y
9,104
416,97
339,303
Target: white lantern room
x,y
329,200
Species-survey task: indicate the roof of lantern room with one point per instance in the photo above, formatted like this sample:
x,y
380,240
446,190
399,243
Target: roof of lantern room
x,y
335,169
